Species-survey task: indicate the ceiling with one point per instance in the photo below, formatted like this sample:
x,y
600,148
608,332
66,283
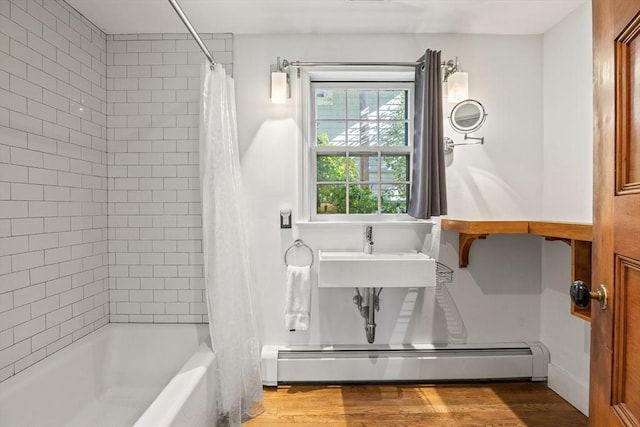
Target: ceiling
x,y
328,16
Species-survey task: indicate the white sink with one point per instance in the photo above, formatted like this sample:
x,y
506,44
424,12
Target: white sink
x,y
376,270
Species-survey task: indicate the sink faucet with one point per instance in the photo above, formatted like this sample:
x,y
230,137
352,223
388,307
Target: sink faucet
x,y
368,239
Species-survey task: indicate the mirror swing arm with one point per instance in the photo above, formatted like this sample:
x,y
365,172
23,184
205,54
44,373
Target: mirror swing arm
x,y
478,140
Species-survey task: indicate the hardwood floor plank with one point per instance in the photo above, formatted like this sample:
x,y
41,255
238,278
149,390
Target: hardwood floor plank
x,y
434,405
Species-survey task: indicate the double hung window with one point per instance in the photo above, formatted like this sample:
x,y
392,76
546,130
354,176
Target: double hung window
x,y
360,150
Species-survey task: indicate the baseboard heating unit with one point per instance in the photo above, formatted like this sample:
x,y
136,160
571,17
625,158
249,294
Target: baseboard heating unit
x,y
341,364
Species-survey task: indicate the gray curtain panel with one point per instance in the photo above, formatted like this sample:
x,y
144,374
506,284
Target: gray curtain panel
x,y
429,190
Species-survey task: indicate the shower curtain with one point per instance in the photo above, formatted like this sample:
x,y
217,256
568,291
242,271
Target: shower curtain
x,y
227,268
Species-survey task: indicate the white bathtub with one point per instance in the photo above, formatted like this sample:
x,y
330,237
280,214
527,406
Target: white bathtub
x,y
119,376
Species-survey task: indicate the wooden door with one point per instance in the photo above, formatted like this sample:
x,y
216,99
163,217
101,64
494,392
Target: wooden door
x,y
615,348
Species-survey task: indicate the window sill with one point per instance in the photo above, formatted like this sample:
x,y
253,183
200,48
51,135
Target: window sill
x,y
392,223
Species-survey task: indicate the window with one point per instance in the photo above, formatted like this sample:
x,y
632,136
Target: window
x,y
360,150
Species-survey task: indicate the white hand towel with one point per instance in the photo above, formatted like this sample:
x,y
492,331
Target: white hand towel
x,y
298,298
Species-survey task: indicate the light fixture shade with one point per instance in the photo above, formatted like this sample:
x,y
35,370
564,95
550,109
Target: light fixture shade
x,y
445,92
279,87
458,87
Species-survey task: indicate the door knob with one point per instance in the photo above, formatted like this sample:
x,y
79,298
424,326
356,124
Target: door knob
x,y
580,294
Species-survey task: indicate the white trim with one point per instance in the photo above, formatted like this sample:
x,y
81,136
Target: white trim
x,y
390,223
569,388
304,87
362,74
379,80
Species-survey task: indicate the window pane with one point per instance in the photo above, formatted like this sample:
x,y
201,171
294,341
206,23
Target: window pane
x,y
331,168
363,133
362,160
363,199
395,168
330,134
363,167
362,104
394,198
330,104
331,199
393,105
393,134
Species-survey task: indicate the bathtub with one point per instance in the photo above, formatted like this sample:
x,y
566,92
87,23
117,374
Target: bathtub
x,y
119,376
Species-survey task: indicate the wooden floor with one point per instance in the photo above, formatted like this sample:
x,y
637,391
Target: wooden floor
x,y
451,405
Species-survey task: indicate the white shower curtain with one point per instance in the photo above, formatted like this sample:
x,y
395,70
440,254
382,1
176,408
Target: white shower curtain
x,y
227,269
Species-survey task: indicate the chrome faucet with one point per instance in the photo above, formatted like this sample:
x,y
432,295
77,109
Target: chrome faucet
x,y
368,239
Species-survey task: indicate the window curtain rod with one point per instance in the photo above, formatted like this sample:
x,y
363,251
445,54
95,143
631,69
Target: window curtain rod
x,y
286,64
193,31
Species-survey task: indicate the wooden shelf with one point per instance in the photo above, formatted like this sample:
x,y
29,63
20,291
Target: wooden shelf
x,y
579,236
561,230
486,227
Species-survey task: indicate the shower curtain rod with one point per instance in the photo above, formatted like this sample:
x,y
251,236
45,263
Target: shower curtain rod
x,y
192,30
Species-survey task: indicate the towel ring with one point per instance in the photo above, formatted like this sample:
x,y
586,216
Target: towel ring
x,y
297,244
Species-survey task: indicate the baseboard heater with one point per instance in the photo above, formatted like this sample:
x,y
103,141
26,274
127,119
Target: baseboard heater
x,y
342,364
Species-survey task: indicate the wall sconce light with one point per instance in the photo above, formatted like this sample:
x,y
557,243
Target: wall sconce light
x,y
456,81
280,87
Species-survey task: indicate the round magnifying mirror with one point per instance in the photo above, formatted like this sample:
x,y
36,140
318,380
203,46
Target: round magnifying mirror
x,y
467,116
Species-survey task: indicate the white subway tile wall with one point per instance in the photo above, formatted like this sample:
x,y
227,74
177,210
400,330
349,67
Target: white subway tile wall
x,y
155,231
99,189
53,180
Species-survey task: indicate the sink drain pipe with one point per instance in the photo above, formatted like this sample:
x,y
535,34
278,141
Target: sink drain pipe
x,y
368,303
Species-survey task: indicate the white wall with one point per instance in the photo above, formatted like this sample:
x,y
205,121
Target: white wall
x,y
53,186
567,195
498,297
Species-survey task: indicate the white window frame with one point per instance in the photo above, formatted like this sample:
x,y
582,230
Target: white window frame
x,y
348,79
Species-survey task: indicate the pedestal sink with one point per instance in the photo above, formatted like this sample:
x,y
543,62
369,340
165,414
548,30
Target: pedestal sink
x,y
377,270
